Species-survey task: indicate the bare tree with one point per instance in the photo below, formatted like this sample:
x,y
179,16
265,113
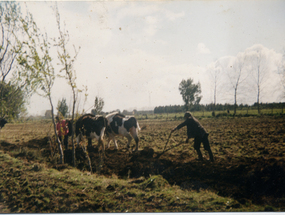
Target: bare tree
x,y
215,71
281,72
215,74
67,63
85,98
259,72
237,75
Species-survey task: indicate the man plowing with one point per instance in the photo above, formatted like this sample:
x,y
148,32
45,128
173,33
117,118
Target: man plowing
x,y
197,131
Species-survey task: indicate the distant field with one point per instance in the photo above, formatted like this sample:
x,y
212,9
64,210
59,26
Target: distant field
x,y
248,173
243,112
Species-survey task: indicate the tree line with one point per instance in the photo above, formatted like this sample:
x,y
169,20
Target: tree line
x,y
218,107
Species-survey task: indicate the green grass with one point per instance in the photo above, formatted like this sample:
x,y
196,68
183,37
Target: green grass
x,y
47,190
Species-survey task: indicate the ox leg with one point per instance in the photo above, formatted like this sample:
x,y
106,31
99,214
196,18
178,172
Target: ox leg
x,y
137,143
89,142
115,143
101,139
134,133
101,143
112,137
129,137
108,142
78,140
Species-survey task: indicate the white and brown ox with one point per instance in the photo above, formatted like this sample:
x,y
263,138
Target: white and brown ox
x,y
92,127
126,126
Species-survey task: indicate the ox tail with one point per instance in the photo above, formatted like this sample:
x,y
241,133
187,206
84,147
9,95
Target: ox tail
x,y
101,138
134,133
138,126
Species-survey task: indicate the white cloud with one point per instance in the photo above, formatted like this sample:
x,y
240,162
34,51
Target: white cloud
x,y
151,25
173,16
202,49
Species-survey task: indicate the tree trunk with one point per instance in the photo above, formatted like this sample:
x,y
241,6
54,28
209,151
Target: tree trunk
x,y
215,97
72,136
61,161
258,89
88,158
235,106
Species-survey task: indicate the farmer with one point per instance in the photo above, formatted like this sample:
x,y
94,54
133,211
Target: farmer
x,y
197,131
62,130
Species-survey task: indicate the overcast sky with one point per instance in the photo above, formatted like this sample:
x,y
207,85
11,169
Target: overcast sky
x,y
134,54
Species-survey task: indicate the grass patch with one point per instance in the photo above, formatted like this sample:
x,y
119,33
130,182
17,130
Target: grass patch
x,y
155,183
49,190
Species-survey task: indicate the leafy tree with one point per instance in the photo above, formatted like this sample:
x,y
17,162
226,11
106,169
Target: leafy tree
x,y
38,67
190,92
15,92
10,26
12,100
62,107
98,106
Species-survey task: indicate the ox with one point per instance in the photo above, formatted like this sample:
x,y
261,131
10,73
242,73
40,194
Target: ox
x,y
70,126
2,122
92,127
125,126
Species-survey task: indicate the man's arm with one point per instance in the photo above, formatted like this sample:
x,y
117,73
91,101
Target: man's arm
x,y
179,126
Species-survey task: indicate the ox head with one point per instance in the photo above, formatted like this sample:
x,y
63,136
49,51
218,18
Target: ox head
x,y
3,122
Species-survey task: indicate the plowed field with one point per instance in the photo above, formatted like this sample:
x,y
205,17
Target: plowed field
x,y
248,152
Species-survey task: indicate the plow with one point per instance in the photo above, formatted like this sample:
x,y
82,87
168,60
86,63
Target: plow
x,y
165,150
